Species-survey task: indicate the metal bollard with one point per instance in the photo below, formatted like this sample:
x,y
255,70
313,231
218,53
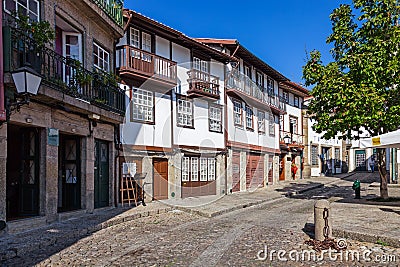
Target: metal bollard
x,y
322,220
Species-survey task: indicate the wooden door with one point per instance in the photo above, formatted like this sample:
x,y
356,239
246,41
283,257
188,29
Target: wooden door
x,y
101,175
270,169
282,168
254,171
235,171
160,182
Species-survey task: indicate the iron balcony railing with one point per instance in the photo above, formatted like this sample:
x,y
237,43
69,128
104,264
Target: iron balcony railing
x,y
63,74
113,8
238,81
138,61
203,83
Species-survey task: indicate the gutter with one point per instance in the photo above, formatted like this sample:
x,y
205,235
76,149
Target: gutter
x,y
2,97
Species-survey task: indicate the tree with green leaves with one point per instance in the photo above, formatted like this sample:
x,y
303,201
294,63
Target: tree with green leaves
x,y
360,89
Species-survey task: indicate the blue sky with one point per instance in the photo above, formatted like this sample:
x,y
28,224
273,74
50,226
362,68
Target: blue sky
x,y
279,32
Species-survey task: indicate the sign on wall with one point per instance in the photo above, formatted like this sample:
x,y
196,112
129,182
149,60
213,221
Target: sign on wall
x,y
53,137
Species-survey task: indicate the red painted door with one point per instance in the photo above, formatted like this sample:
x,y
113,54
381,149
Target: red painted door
x,y
160,184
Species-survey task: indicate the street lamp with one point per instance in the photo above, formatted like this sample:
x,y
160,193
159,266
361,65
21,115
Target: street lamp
x,y
287,139
27,82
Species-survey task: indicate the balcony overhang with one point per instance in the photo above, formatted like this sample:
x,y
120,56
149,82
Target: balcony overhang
x,y
195,93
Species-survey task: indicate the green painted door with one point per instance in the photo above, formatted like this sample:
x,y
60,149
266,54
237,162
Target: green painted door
x,y
360,160
101,175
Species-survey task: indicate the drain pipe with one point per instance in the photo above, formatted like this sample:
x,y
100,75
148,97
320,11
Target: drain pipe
x,y
2,97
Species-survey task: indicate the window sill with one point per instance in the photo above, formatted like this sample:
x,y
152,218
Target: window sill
x,y
143,122
185,126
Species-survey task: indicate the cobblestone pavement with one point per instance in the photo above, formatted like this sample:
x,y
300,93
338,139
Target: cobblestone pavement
x,y
247,237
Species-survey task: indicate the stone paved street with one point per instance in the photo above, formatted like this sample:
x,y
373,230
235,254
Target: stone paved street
x,y
179,238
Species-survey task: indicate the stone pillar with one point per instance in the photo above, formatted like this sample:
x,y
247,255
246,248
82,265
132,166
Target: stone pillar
x,y
319,221
175,175
87,174
48,178
229,170
306,151
266,156
243,166
3,167
288,166
147,167
275,169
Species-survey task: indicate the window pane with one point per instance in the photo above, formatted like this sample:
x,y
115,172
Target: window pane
x,y
142,104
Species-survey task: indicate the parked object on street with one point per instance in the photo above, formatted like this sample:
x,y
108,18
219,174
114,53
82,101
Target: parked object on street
x,y
322,222
357,188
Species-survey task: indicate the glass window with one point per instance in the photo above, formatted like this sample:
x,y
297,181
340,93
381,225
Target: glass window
x,y
185,169
261,121
271,123
249,117
29,8
314,155
237,113
286,97
211,169
101,58
143,106
194,169
296,101
135,38
293,125
260,80
215,114
203,169
270,85
337,155
146,42
185,112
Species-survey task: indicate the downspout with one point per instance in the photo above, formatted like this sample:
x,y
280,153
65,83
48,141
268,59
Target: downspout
x,y
2,97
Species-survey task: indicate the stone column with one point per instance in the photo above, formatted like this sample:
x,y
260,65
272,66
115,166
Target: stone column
x,y
87,174
175,175
266,156
3,166
147,167
275,169
229,170
243,166
48,178
220,175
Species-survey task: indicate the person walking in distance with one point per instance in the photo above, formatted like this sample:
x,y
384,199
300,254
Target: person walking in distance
x,y
372,164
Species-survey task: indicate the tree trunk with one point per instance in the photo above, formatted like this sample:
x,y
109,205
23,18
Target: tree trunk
x,y
381,152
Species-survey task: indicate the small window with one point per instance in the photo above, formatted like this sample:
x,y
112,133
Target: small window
x,y
211,169
135,38
261,122
271,123
26,8
249,117
270,85
143,106
203,169
215,119
314,155
293,125
286,97
146,42
337,156
296,101
237,112
101,58
194,169
184,112
260,79
185,169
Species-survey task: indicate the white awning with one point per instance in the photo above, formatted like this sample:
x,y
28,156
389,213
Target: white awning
x,y
387,140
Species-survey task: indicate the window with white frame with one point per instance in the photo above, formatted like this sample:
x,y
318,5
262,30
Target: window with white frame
x,y
146,42
260,79
142,106
237,113
194,171
285,97
135,38
24,7
185,169
261,121
270,85
249,117
337,156
271,124
215,119
314,155
203,169
184,112
101,58
293,125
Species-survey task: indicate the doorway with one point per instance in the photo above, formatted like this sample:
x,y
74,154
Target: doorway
x,y
160,183
22,172
101,174
360,160
69,180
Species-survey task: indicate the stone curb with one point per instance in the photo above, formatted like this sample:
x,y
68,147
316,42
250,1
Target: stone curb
x,y
394,242
12,252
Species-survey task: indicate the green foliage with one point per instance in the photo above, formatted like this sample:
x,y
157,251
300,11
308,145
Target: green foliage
x,y
359,89
40,32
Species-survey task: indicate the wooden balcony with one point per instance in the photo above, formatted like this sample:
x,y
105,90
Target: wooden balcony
x,y
202,84
296,140
242,86
141,65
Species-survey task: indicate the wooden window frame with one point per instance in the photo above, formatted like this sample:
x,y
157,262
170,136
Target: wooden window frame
x,y
261,131
28,9
271,124
249,117
99,47
240,113
298,101
295,130
210,163
213,119
314,158
152,122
